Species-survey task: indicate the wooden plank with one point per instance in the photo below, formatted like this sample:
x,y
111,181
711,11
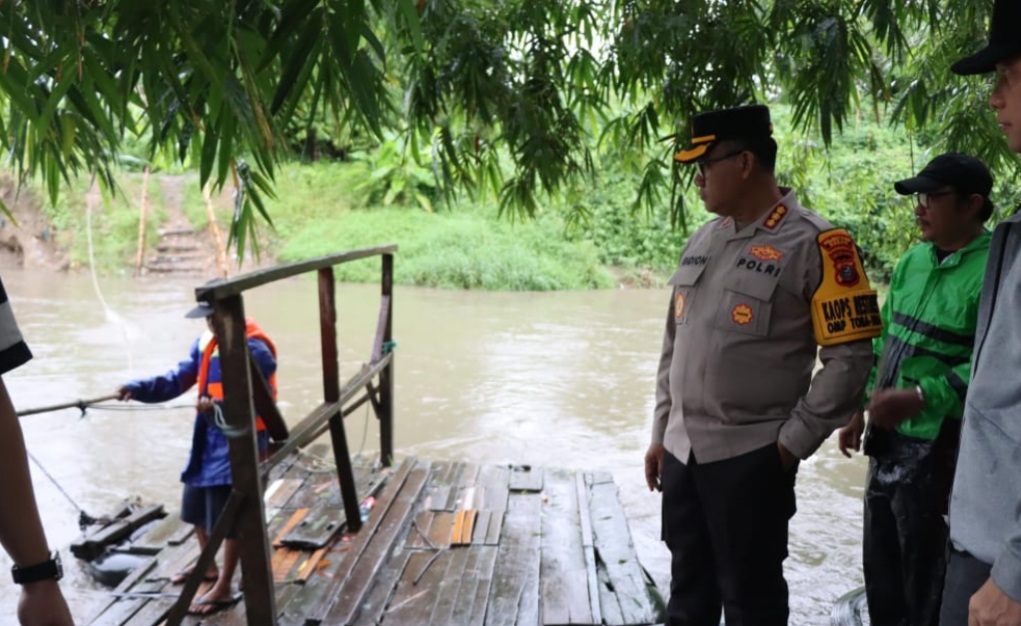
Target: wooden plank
x,y
473,597
457,528
625,582
301,602
588,546
564,586
349,598
495,480
315,530
514,593
294,520
524,478
129,581
159,536
451,585
418,538
410,601
385,410
598,478
382,591
441,530
154,612
95,543
280,491
287,560
313,601
310,564
467,525
438,499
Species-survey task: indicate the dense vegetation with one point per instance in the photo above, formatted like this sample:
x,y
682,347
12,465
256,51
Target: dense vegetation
x,y
379,195
519,100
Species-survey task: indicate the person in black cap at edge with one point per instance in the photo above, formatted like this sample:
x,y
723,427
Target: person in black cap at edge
x,y
983,581
757,291
207,476
917,389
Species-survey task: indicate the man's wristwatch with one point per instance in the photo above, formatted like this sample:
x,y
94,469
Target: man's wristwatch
x,y
48,569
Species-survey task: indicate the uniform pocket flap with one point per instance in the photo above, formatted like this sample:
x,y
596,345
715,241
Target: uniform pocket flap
x,y
686,276
754,284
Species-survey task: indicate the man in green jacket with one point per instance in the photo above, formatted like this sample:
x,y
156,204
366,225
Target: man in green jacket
x,y
917,391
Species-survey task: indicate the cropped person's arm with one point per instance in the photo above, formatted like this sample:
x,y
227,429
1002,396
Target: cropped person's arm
x,y
21,530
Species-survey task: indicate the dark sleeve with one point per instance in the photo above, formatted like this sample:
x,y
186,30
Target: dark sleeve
x,y
170,384
14,351
263,358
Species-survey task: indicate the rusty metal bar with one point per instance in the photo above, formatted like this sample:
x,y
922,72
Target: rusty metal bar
x,y
239,413
331,395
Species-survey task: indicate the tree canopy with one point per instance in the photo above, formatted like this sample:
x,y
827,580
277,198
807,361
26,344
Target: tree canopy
x,y
511,97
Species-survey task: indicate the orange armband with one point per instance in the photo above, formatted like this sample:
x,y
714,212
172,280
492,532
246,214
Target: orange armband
x,y
845,308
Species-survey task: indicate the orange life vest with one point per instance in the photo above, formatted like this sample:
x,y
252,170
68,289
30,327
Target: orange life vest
x,y
210,351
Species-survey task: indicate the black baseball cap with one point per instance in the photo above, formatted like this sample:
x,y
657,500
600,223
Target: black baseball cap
x,y
964,173
202,309
746,122
1004,41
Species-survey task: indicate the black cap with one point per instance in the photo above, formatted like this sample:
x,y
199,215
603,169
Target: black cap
x,y
1004,40
202,309
966,174
746,122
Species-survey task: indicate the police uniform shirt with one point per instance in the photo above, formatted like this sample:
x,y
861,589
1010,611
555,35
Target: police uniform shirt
x,y
13,350
748,312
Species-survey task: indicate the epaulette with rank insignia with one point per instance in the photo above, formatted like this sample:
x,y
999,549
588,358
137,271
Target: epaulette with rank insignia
x,y
776,217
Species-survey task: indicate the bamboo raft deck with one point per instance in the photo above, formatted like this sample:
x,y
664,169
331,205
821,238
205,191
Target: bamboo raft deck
x,y
444,543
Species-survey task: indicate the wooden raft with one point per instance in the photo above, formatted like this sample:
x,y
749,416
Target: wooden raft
x,y
445,543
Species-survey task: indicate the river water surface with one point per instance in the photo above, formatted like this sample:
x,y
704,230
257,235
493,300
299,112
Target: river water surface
x,y
556,379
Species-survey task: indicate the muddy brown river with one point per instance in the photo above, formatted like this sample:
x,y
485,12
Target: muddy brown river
x,y
558,379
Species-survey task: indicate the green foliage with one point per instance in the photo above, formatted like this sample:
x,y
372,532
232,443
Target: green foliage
x,y
518,99
396,176
114,222
467,248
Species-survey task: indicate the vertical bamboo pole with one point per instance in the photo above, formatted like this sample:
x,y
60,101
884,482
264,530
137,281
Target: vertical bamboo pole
x,y
142,208
214,232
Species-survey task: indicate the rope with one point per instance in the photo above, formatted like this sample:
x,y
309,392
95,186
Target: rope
x,y
84,519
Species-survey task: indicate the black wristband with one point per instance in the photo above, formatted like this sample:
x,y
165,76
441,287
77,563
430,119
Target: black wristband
x,y
49,569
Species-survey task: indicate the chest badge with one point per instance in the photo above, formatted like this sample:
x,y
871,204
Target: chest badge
x,y
765,253
742,315
679,307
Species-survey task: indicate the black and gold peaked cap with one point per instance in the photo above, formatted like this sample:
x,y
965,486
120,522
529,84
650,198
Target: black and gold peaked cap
x,y
744,122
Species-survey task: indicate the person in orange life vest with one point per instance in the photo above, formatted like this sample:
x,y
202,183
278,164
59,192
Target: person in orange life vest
x,y
206,477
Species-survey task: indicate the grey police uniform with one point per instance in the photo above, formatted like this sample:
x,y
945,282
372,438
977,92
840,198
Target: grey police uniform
x,y
740,346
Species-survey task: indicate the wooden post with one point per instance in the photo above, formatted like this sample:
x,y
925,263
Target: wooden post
x,y
141,220
386,377
331,394
253,541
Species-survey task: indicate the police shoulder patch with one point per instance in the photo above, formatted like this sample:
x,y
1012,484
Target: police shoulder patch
x,y
845,307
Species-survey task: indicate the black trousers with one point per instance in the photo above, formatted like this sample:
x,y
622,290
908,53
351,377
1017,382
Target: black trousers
x,y
965,574
726,526
905,536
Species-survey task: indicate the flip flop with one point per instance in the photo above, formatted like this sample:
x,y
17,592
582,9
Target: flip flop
x,y
217,606
181,577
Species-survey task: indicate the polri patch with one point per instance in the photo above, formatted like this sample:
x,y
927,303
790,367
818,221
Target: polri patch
x,y
765,253
742,314
841,250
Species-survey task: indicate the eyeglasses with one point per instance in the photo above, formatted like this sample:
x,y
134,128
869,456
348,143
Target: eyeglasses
x,y
923,198
703,164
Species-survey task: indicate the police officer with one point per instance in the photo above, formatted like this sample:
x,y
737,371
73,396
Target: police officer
x,y
757,291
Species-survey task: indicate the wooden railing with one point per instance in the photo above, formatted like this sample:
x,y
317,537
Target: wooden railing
x,y
246,395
